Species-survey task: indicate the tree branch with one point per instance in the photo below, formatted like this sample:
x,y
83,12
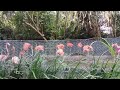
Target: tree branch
x,y
36,30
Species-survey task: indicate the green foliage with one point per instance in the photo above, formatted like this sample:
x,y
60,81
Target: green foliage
x,y
45,21
116,24
57,69
109,46
55,24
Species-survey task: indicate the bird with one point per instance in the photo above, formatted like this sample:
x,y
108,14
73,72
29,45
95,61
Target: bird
x,y
4,57
15,59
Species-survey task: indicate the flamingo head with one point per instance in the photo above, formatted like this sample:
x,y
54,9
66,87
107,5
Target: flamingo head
x,y
8,44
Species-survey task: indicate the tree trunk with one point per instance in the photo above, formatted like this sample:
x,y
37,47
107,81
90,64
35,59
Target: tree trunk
x,y
57,20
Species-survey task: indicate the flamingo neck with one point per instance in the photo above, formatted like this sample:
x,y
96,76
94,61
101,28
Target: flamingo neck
x,y
7,49
13,48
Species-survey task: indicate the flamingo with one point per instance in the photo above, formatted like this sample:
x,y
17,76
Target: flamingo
x,y
21,54
4,57
15,59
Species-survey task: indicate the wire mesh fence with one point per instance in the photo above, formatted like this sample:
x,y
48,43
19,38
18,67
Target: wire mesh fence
x,y
50,46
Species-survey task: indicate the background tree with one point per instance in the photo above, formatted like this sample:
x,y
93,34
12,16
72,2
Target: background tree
x,y
51,25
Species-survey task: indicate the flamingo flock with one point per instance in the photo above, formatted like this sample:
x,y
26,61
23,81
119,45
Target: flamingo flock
x,y
16,59
26,46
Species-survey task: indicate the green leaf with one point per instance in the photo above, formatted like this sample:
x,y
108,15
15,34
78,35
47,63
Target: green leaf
x,y
34,74
111,50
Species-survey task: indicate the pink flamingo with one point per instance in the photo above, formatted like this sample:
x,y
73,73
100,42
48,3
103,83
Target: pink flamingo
x,y
15,59
60,52
39,48
21,54
4,57
26,46
69,44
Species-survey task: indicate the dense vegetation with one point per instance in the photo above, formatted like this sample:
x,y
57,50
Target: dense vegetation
x,y
52,25
46,25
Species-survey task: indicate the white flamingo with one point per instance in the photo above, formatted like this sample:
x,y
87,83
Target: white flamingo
x,y
15,59
4,57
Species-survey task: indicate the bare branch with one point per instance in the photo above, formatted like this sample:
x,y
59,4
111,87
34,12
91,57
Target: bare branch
x,y
36,30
